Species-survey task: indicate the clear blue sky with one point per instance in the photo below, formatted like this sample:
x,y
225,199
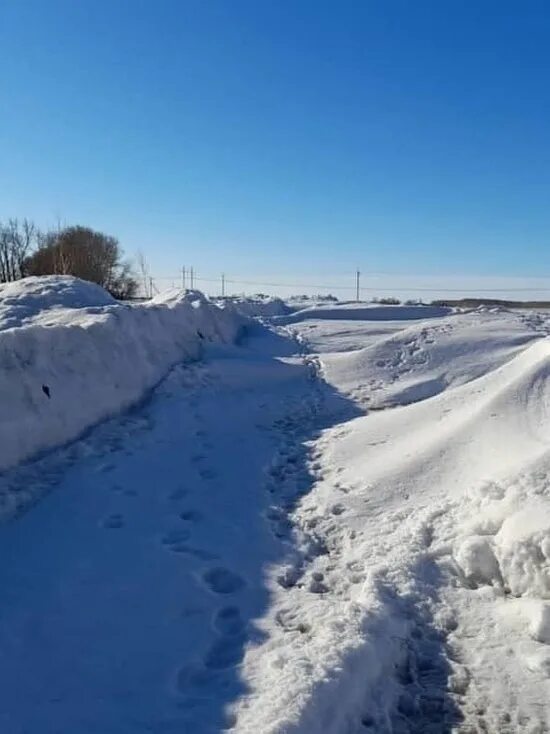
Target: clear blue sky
x,y
285,137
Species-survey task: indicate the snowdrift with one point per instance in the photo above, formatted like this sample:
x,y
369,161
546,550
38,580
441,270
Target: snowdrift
x,y
256,306
365,312
434,523
424,358
70,355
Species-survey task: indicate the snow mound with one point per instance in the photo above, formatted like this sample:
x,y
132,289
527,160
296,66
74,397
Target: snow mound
x,y
366,312
477,560
27,298
539,622
76,356
523,551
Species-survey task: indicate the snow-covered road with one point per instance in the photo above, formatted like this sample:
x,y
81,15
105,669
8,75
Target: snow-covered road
x,y
128,592
341,526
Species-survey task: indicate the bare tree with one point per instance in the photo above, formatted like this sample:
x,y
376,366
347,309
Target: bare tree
x,y
86,254
16,241
144,274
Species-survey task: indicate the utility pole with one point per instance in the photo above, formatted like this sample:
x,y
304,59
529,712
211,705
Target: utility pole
x,y
223,285
183,277
357,276
150,287
192,276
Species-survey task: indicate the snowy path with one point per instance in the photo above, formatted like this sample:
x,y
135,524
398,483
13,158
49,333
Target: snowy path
x,y
350,542
128,592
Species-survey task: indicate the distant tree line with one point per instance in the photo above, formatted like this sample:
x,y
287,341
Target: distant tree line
x,y
77,250
476,302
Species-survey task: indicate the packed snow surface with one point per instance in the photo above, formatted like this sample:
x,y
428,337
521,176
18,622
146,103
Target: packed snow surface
x,y
341,525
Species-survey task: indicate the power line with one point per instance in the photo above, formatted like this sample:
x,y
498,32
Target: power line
x,y
334,286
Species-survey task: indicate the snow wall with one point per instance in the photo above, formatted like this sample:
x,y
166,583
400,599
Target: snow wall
x,y
70,355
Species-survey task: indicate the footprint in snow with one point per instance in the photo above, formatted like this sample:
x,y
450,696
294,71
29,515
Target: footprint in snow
x,y
178,494
199,553
223,581
104,468
226,652
175,537
228,621
290,622
317,584
207,474
191,515
114,521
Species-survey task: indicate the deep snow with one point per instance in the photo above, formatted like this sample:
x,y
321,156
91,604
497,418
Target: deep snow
x,y
341,525
70,355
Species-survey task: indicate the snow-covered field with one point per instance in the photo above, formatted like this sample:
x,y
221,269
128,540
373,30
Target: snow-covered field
x,y
339,525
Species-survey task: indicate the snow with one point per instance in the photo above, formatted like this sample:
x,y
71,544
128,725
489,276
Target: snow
x,y
256,306
410,633
364,311
523,550
43,298
71,355
476,558
340,525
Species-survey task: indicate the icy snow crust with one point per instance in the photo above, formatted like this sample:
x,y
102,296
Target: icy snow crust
x,y
341,526
93,355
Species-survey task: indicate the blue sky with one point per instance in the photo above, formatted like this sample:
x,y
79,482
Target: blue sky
x,y
285,138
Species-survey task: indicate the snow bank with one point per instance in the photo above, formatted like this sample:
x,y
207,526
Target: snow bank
x,y
262,306
70,355
33,297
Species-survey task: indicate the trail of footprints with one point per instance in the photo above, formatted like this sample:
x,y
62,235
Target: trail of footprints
x,y
227,649
289,477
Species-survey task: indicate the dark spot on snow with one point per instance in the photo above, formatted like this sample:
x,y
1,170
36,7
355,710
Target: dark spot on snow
x,y
191,515
46,391
174,537
113,521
